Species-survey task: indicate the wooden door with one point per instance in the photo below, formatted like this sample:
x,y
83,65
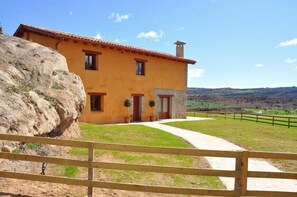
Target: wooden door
x,y
165,103
136,108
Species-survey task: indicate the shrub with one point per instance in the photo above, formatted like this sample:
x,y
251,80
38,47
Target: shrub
x,y
127,103
152,103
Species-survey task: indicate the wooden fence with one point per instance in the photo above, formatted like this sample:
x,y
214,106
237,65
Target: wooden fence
x,y
288,121
240,173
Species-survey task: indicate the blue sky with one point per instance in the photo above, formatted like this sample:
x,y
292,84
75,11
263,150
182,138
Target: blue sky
x,y
237,43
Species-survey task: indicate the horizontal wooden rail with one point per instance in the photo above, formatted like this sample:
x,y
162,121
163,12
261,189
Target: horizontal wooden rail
x,y
272,155
174,151
120,166
35,158
271,193
44,140
120,186
240,173
121,147
277,175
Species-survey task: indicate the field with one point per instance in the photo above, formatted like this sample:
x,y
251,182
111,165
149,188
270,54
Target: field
x,y
272,111
215,105
250,135
138,135
205,105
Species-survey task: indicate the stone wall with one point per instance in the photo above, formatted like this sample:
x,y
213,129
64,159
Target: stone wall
x,y
178,103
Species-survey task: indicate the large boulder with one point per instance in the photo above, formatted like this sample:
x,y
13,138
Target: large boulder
x,y
38,95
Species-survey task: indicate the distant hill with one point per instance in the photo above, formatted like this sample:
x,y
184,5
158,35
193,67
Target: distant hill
x,y
283,92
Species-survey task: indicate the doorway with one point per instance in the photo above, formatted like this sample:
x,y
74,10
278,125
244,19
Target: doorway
x,y
136,108
164,108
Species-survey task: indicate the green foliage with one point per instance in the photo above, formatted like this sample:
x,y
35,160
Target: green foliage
x,y
18,149
152,103
54,102
58,86
32,146
127,103
22,89
71,171
205,105
13,89
25,88
272,111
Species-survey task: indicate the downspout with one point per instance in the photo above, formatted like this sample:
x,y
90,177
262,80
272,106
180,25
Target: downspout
x,y
57,44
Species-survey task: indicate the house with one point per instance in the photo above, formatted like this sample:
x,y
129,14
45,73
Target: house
x,y
113,72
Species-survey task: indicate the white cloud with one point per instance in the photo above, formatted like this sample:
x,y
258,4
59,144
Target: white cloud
x,y
288,43
98,36
290,61
121,41
116,17
151,34
259,65
70,13
195,72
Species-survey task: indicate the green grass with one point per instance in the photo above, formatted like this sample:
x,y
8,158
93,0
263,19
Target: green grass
x,y
130,134
281,120
273,111
32,146
141,135
250,135
71,171
205,105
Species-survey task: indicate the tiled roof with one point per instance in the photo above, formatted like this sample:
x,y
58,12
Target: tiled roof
x,y
69,36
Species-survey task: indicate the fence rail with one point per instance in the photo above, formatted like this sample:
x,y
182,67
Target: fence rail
x,y
288,121
240,173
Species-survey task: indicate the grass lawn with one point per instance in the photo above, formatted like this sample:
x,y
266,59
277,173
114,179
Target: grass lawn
x,y
206,105
250,135
273,111
139,135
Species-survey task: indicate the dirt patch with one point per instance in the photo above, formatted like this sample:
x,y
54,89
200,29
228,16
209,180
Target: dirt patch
x,y
23,188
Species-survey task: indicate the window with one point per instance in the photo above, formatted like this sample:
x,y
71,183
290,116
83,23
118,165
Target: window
x,y
90,61
97,101
139,67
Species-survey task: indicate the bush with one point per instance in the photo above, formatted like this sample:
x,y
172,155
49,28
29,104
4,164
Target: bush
x,y
127,103
152,103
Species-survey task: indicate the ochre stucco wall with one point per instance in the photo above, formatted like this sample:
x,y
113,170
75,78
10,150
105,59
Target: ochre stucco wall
x,y
116,76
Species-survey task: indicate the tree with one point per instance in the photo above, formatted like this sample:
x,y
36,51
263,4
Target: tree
x,y
1,31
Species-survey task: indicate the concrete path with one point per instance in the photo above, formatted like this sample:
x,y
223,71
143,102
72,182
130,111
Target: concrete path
x,y
202,141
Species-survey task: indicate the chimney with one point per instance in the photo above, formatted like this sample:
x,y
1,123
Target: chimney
x,y
179,48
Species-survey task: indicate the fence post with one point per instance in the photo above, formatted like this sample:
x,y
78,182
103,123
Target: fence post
x,y
234,116
194,114
225,116
257,117
90,169
272,120
241,117
241,165
289,122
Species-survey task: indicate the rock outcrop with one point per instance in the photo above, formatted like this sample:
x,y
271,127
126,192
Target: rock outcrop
x,y
38,95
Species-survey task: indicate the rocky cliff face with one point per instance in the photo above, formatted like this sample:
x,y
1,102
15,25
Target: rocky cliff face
x,y
38,95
